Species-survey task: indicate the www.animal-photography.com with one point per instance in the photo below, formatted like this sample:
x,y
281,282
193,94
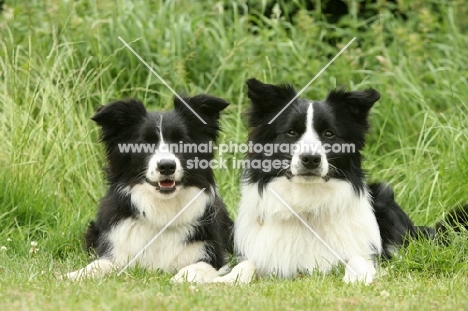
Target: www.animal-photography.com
x,y
233,155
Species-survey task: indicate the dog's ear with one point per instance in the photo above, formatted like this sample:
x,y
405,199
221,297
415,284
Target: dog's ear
x,y
119,119
267,99
358,102
352,111
203,106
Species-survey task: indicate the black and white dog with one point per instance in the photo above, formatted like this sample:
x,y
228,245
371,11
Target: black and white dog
x,y
150,183
313,209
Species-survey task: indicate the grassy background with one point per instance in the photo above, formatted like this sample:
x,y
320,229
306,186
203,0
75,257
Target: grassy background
x,y
60,60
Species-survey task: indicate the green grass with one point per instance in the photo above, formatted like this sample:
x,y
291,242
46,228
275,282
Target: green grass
x,y
60,60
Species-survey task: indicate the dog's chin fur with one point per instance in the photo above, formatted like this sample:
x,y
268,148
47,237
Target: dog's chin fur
x,y
148,192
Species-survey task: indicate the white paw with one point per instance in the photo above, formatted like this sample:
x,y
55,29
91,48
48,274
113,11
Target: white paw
x,y
73,276
84,273
244,272
199,272
359,270
97,268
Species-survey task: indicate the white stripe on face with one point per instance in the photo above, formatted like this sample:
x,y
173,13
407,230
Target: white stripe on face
x,y
163,147
161,132
309,143
162,153
310,136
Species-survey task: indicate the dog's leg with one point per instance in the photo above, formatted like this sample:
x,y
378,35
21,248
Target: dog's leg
x,y
199,272
97,268
242,273
359,269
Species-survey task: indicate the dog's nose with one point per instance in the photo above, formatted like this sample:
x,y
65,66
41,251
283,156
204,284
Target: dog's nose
x,y
311,161
167,167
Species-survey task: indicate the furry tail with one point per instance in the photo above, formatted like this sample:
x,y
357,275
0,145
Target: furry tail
x,y
396,226
455,221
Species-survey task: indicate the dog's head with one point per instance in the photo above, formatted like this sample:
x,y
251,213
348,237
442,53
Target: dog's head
x,y
160,148
324,137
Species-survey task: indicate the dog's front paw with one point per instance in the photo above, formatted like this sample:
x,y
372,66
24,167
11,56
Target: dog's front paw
x,y
199,272
73,276
244,272
97,268
359,270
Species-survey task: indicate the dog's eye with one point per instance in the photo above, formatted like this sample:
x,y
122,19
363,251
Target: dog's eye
x,y
329,134
291,132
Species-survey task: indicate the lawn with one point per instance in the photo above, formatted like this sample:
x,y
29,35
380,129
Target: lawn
x,y
61,59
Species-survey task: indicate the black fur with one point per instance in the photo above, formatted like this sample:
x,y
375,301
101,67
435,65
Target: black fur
x,y
346,114
342,111
394,224
455,221
128,121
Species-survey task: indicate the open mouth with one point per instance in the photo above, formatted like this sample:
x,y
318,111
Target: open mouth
x,y
164,186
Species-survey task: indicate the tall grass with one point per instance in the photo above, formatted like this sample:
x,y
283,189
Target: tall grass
x,y
60,60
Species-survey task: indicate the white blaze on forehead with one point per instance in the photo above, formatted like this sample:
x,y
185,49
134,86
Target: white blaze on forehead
x,y
310,117
310,136
163,152
161,132
309,143
163,148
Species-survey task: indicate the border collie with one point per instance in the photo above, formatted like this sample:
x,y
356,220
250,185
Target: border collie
x,y
147,189
313,209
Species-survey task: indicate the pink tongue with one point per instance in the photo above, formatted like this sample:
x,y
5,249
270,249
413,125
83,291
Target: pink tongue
x,y
166,183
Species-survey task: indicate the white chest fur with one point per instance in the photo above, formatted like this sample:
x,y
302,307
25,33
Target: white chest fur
x,y
271,236
170,250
